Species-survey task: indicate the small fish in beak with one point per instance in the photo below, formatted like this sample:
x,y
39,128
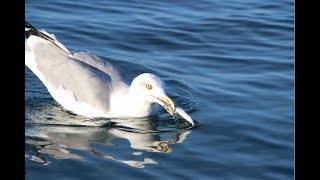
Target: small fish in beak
x,y
184,115
168,105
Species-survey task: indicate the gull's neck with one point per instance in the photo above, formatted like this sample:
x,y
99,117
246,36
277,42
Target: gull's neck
x,y
142,108
128,104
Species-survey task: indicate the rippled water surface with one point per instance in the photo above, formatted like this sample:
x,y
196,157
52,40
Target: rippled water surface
x,y
229,64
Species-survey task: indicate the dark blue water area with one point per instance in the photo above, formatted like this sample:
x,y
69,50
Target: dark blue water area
x,y
229,64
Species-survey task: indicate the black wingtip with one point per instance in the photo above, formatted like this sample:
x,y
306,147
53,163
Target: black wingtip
x,y
30,30
29,26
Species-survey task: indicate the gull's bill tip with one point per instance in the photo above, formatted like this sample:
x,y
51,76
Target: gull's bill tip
x,y
166,103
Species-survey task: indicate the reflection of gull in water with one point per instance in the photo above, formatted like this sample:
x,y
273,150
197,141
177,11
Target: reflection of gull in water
x,y
91,87
58,141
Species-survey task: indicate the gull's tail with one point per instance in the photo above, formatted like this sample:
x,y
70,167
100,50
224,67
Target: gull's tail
x,y
32,31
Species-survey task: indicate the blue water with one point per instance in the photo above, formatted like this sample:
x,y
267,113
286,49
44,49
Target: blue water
x,y
229,64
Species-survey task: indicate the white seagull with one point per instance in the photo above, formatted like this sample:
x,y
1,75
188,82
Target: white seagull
x,y
89,86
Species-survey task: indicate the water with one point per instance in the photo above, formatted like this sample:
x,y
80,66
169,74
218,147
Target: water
x,y
229,64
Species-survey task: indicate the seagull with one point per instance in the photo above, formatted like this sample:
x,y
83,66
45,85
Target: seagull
x,y
89,86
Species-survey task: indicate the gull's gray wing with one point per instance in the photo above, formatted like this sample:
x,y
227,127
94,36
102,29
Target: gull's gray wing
x,y
107,67
87,83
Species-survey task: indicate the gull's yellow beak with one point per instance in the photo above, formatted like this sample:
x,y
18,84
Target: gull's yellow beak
x,y
166,103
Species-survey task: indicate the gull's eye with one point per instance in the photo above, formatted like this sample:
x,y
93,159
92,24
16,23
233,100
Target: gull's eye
x,y
148,86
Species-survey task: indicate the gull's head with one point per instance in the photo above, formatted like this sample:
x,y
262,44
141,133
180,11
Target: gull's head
x,y
151,89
